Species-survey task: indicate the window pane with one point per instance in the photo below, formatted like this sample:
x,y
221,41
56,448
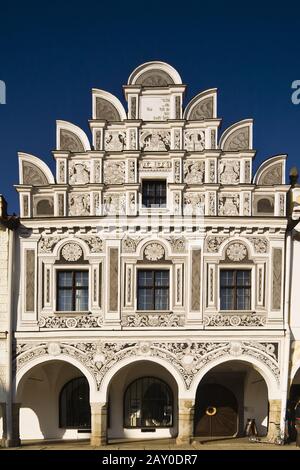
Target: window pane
x,y
154,193
162,278
243,299
65,278
81,279
81,300
227,299
227,278
243,278
161,299
145,299
145,278
64,300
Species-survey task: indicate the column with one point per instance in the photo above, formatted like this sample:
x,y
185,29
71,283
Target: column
x,y
185,421
99,424
12,438
274,419
4,421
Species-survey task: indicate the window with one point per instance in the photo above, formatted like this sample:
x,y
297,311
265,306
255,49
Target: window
x,y
72,291
148,403
153,290
154,193
74,404
235,288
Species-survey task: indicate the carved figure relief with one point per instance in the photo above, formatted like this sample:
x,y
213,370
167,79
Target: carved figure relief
x,y
194,140
229,204
272,175
202,110
229,171
115,141
79,204
32,175
155,140
238,140
193,171
106,110
114,203
194,203
70,141
79,172
113,172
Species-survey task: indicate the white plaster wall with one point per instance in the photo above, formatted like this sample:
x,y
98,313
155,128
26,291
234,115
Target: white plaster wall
x,y
39,397
256,401
295,291
117,389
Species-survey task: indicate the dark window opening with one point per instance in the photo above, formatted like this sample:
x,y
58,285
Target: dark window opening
x,y
154,193
235,289
153,289
72,291
74,405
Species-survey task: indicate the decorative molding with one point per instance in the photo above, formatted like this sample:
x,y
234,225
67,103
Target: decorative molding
x,y
67,322
141,320
212,244
154,252
251,320
71,252
236,252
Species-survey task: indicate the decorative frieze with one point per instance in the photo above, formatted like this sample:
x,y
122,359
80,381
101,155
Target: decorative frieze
x,y
249,320
178,244
67,322
212,244
129,244
141,320
260,244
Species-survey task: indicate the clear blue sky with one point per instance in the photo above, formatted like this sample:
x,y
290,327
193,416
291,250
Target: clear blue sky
x,y
52,54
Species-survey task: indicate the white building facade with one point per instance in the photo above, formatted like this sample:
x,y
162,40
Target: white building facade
x,y
150,283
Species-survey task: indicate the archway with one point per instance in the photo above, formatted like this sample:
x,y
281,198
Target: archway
x,y
142,402
294,396
227,396
48,394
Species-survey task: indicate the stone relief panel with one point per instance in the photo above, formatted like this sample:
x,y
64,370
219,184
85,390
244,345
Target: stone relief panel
x,y
154,252
238,140
70,141
156,78
235,320
212,206
229,204
177,171
47,243
212,171
213,243
247,204
129,244
113,172
229,171
79,204
132,139
194,140
281,205
276,278
115,141
187,356
131,171
247,171
32,175
155,140
114,203
193,171
194,203
236,252
71,252
79,172
106,110
178,244
202,110
139,320
155,165
177,139
271,176
72,323
260,244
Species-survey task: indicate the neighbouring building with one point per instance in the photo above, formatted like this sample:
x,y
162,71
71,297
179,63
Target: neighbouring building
x,y
149,286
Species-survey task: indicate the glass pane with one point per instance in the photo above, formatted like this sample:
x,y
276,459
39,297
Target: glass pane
x,y
145,278
81,300
65,300
243,299
227,302
162,278
243,278
161,299
65,278
227,278
145,299
81,279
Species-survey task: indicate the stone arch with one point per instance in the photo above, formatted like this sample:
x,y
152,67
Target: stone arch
x,y
241,250
142,246
202,106
271,171
107,107
104,388
23,371
154,73
271,382
71,138
237,137
34,171
65,241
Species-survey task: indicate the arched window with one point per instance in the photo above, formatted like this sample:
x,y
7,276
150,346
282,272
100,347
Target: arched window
x,y
148,403
74,404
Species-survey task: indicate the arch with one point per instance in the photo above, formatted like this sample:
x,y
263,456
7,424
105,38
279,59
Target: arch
x,y
202,106
74,404
228,241
271,171
237,137
132,361
71,138
59,246
33,171
107,107
294,371
21,373
272,385
154,73
142,245
238,251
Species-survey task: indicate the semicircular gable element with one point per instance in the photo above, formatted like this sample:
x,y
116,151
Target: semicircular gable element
x,y
155,74
271,171
107,107
71,138
34,171
237,137
202,106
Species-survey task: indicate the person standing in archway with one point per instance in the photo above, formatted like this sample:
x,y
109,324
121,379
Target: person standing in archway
x,y
297,422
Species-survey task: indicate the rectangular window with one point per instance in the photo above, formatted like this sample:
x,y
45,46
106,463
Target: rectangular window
x,y
153,290
72,291
235,289
154,193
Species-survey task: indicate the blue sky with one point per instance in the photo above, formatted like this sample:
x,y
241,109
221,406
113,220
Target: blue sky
x,y
52,54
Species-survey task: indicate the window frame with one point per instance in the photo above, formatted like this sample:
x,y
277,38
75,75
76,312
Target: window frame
x,y
155,206
235,288
153,287
73,288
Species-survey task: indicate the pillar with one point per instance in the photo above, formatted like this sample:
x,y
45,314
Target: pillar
x,y
4,420
12,436
185,421
274,419
99,424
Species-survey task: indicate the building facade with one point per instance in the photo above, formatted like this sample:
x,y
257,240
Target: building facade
x,y
149,289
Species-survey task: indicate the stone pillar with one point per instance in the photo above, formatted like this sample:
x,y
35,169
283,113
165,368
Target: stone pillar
x,y
274,419
185,421
99,424
12,439
4,421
